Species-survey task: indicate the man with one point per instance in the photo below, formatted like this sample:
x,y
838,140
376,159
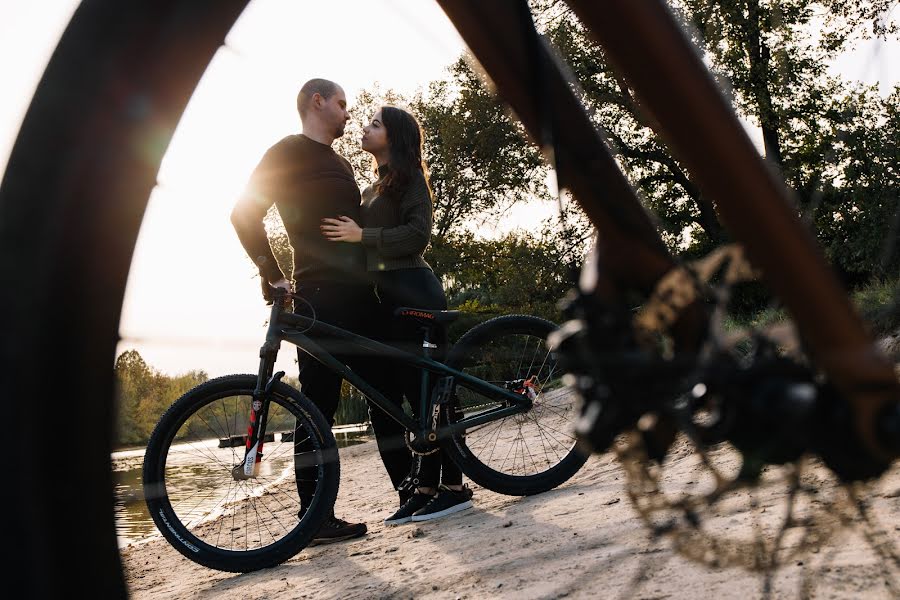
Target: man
x,y
307,181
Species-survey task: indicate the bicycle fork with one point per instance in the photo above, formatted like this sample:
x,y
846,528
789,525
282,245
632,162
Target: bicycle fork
x,y
256,432
259,407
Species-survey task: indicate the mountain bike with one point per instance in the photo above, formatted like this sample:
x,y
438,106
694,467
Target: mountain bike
x,y
497,406
80,174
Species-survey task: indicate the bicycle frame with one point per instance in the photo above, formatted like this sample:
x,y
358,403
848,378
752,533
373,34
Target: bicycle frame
x,y
302,332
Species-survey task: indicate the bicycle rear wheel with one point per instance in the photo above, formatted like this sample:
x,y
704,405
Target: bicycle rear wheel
x,y
229,524
525,453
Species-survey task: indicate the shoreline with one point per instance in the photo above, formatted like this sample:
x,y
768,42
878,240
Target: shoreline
x,y
131,511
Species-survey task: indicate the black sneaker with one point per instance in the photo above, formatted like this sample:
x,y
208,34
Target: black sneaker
x,y
445,503
404,515
338,530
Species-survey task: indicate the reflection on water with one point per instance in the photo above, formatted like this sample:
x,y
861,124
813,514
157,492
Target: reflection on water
x,y
133,523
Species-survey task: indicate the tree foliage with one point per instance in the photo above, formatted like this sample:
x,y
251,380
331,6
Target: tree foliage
x,y
772,57
480,162
519,272
144,394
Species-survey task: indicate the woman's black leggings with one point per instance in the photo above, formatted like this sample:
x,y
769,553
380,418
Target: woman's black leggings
x,y
413,288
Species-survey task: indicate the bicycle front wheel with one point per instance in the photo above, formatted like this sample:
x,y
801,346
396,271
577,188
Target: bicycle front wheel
x,y
225,522
521,454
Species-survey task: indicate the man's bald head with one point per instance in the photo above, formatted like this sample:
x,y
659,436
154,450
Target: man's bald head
x,y
323,87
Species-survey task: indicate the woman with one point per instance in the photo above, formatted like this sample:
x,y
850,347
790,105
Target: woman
x,y
396,215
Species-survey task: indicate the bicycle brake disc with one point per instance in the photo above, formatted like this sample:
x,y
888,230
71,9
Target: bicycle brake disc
x,y
701,500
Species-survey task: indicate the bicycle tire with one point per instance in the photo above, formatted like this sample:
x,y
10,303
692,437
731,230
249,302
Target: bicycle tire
x,y
207,515
497,350
71,202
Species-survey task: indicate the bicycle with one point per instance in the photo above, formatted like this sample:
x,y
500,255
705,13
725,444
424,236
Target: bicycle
x,y
76,158
498,408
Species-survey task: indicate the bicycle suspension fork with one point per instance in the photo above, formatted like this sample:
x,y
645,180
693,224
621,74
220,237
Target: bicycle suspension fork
x,y
259,407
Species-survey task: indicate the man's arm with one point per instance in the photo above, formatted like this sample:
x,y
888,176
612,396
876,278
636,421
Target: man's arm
x,y
247,218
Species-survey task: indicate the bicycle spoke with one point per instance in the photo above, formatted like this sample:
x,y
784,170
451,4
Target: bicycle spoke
x,y
543,441
489,433
482,428
526,452
526,449
198,501
248,510
547,429
521,358
496,439
510,451
205,454
544,436
262,523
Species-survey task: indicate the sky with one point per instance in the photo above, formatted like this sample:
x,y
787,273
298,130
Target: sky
x,y
243,104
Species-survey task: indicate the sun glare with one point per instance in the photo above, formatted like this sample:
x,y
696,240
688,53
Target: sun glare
x,y
192,301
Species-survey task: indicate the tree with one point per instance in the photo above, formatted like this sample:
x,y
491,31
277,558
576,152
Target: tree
x,y
134,379
521,272
859,214
773,56
144,394
480,162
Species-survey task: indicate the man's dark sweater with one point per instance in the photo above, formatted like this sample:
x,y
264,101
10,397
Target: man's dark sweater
x,y
307,181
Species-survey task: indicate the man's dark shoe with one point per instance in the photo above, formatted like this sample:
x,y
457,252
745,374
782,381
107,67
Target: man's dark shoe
x,y
445,503
404,515
338,530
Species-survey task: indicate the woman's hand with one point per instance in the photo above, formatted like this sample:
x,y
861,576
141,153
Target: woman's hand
x,y
342,229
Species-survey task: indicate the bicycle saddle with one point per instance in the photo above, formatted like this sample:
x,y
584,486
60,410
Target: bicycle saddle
x,y
427,316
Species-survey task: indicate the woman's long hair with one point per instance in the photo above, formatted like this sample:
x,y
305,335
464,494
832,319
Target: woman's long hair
x,y
405,142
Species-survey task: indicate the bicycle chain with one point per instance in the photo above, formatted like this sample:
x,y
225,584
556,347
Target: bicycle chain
x,y
407,438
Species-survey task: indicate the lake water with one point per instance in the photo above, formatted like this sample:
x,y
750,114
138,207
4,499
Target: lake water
x,y
133,522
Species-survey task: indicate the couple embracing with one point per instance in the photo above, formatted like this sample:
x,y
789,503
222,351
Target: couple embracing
x,y
356,258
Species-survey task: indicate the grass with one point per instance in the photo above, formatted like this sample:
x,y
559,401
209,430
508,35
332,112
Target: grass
x,y
877,302
879,305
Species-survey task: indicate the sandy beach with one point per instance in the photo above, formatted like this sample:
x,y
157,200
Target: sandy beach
x,y
581,540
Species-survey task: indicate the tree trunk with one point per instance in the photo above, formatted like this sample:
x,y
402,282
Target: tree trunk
x,y
758,54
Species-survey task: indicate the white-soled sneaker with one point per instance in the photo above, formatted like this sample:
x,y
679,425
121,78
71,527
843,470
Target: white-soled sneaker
x,y
416,502
445,503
